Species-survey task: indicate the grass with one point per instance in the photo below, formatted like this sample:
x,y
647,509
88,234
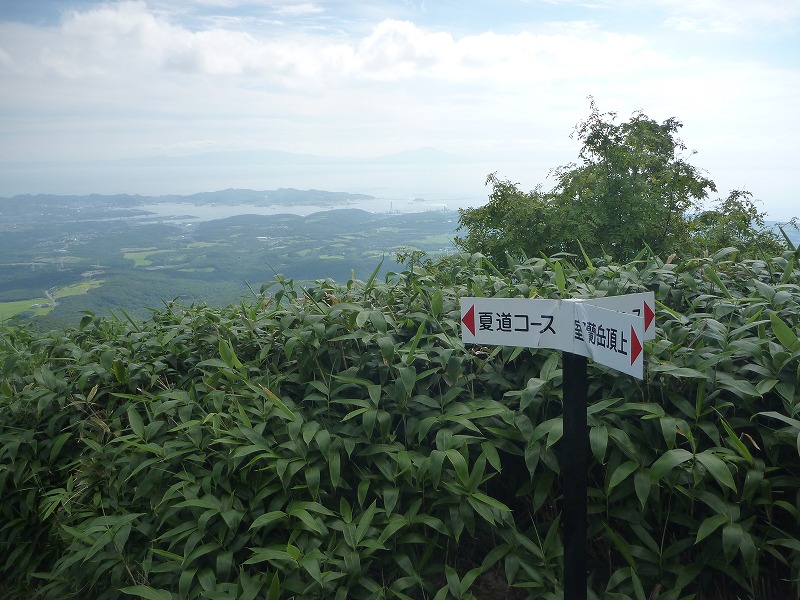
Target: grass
x,y
441,238
140,257
11,309
204,244
17,307
76,289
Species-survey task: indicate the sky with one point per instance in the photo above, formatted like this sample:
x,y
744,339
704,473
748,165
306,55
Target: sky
x,y
91,89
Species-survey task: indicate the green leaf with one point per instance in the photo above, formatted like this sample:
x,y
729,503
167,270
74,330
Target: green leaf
x,y
492,455
272,554
390,496
435,462
305,517
267,518
621,473
135,420
488,500
621,545
386,345
776,415
365,520
120,372
395,524
312,481
668,461
714,277
459,464
268,395
408,377
642,483
741,387
561,280
598,440
453,582
145,591
717,468
675,371
275,588
334,467
228,356
58,445
378,320
345,510
415,343
709,526
732,535
437,303
786,336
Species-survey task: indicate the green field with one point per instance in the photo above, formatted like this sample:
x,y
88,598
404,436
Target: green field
x,y
17,307
11,309
141,258
145,264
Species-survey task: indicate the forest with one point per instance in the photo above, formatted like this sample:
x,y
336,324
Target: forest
x,y
105,253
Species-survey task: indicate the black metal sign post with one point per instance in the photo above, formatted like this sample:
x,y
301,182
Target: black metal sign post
x,y
574,474
609,330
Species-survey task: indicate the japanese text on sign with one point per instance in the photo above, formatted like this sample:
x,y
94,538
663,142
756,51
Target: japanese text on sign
x,y
605,335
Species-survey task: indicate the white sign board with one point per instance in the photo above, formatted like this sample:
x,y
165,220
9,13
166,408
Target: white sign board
x,y
606,336
512,322
642,304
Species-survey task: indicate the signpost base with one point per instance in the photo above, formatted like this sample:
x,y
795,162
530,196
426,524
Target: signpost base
x,y
574,474
608,330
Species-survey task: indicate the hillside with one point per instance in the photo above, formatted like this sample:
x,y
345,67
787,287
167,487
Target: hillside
x,y
133,252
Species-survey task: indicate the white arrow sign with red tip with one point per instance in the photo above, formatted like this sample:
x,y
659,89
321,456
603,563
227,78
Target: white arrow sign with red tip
x,y
511,322
608,330
608,337
642,304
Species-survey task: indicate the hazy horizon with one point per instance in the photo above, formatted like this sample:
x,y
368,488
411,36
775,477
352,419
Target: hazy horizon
x,y
435,176
90,84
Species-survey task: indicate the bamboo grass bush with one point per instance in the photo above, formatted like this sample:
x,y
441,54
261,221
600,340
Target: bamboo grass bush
x,y
339,441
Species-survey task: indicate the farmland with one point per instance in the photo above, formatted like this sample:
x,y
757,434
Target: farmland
x,y
135,253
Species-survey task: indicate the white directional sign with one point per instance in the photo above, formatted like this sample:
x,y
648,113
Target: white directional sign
x,y
642,304
530,323
610,337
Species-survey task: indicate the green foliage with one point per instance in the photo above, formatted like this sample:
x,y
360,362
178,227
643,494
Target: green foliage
x,y
632,188
734,222
339,441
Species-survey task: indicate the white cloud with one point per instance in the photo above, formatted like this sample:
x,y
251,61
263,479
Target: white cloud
x,y
729,16
124,38
124,78
295,10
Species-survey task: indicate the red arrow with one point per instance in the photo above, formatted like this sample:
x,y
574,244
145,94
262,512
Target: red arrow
x,y
649,315
469,319
636,346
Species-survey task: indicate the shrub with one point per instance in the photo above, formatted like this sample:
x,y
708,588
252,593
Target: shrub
x,y
340,441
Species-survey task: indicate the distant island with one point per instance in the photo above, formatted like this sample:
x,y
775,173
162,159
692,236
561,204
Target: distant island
x,y
22,210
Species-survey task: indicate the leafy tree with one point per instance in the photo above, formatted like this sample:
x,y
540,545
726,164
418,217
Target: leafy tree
x,y
735,222
511,222
632,187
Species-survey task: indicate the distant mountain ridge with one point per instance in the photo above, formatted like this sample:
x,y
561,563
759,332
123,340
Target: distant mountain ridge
x,y
423,155
418,172
228,196
21,210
